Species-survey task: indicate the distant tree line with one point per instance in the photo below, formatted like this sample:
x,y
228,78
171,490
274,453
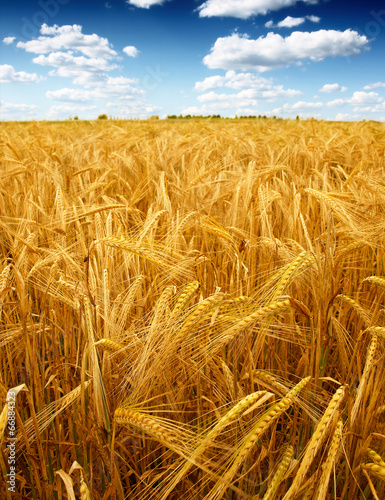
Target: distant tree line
x,y
196,117
249,117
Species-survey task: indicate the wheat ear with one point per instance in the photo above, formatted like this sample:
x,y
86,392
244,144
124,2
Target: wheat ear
x,y
272,308
297,265
84,491
184,299
365,375
375,280
140,251
357,307
110,345
198,312
249,400
259,428
376,469
316,441
378,330
376,457
277,478
125,416
328,465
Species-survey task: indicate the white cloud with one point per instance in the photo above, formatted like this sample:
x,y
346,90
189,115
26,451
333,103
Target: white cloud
x,y
8,106
223,108
345,117
361,98
9,39
87,60
379,107
71,95
112,88
337,102
245,8
291,22
18,111
84,70
9,75
244,97
64,109
264,88
144,4
332,87
313,19
298,107
132,108
251,88
69,37
131,51
363,102
372,86
238,52
90,68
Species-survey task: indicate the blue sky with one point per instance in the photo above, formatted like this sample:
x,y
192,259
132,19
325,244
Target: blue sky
x,y
137,58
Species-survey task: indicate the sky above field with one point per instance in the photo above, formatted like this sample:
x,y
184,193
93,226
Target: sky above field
x,y
137,58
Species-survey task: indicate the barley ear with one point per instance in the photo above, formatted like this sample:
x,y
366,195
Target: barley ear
x,y
328,465
277,478
316,441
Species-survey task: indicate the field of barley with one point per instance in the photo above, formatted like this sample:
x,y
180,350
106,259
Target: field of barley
x,y
192,309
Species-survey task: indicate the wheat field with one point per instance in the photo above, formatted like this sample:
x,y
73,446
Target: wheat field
x,y
193,309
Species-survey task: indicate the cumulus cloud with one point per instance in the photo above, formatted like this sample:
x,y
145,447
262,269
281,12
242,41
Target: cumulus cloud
x,y
249,89
145,4
345,117
328,88
64,109
372,86
87,60
118,88
9,75
131,51
239,52
264,88
246,8
9,39
138,107
247,97
359,99
71,95
298,107
84,70
8,106
69,37
291,22
223,108
337,102
17,111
